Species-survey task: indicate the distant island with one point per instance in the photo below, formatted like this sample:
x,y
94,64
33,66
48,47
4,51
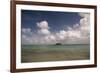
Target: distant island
x,y
58,44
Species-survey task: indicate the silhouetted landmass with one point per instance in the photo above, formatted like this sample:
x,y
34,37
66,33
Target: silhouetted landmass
x,y
58,44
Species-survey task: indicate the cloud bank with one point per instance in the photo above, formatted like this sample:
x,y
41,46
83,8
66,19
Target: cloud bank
x,y
77,34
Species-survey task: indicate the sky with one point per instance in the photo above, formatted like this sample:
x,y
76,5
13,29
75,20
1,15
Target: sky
x,y
50,27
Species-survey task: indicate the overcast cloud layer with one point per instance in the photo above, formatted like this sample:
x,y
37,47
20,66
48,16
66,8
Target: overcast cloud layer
x,y
77,34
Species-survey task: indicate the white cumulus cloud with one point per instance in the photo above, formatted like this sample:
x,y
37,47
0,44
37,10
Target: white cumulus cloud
x,y
44,31
43,25
43,28
26,30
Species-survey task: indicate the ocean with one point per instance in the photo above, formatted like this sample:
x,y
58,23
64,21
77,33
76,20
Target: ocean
x,y
44,53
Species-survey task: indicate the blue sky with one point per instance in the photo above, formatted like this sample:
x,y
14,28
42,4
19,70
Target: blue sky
x,y
46,27
56,20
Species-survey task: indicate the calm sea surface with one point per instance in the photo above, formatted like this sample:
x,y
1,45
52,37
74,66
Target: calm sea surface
x,y
43,53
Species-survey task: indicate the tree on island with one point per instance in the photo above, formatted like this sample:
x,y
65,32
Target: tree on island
x,y
58,44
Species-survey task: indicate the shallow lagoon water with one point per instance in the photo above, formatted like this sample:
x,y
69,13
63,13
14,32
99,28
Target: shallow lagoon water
x,y
44,53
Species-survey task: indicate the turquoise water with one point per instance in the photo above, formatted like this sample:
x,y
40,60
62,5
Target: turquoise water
x,y
42,53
